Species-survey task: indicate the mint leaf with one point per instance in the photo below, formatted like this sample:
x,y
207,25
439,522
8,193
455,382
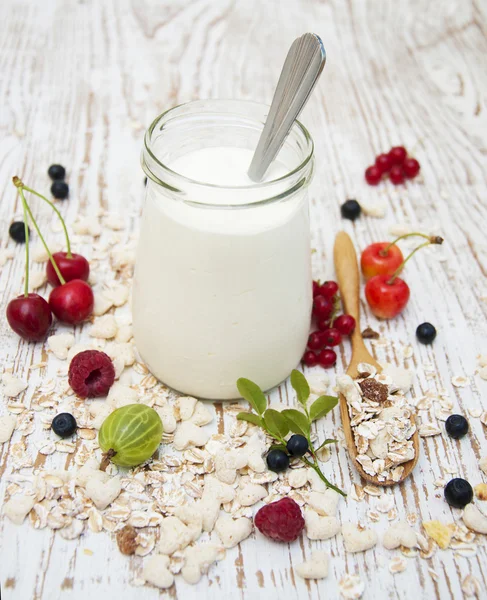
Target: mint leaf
x,y
250,417
325,443
300,385
297,422
322,406
276,424
253,394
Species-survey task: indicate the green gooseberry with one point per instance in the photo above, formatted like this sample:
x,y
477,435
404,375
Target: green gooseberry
x,y
130,435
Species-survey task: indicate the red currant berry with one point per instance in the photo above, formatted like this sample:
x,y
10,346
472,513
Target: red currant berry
x,y
323,324
373,175
331,337
411,167
73,267
322,307
398,155
30,317
345,324
329,289
327,358
396,175
315,341
310,359
72,302
383,162
316,288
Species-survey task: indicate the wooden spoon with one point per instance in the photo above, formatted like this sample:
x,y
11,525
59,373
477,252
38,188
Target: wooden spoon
x,y
349,281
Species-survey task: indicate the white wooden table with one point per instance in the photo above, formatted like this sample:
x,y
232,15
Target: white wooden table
x,y
79,83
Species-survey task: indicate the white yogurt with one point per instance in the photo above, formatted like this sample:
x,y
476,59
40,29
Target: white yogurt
x,y
222,293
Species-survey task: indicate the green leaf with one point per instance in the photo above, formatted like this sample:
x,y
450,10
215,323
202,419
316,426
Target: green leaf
x,y
326,443
250,417
298,423
276,424
278,447
300,385
322,406
253,394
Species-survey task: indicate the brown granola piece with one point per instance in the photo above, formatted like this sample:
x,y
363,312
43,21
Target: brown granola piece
x,y
369,334
374,390
126,539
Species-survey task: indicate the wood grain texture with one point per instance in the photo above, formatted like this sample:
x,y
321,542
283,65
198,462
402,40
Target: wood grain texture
x,y
79,82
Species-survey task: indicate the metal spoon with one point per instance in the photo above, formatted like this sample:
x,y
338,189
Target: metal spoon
x,y
302,67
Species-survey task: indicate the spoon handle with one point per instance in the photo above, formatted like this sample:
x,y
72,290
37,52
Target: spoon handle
x,y
348,275
302,67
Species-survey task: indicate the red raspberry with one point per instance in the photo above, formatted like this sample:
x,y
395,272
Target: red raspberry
x,y
281,521
91,374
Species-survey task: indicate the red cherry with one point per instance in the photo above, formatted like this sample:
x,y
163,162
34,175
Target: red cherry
x,y
374,262
327,358
72,302
396,175
383,162
315,341
345,324
30,317
310,359
322,307
386,299
324,324
373,175
329,289
411,167
331,337
76,267
398,155
316,288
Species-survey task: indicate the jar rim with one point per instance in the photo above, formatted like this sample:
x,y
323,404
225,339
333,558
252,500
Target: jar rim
x,y
288,176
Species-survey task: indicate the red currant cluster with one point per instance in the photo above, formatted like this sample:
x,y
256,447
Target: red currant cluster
x,y
331,327
396,164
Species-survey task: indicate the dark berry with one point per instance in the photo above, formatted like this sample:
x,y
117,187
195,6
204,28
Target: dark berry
x,y
456,426
398,155
373,175
383,162
322,307
351,210
458,493
17,231
64,424
331,337
310,359
297,445
425,333
315,341
329,289
396,175
411,167
277,461
345,324
327,358
60,190
56,172
91,374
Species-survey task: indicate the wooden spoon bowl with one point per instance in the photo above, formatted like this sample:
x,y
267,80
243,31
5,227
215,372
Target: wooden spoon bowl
x,y
349,282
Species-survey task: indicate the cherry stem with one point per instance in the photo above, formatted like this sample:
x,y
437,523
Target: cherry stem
x,y
431,240
385,250
26,229
20,186
28,189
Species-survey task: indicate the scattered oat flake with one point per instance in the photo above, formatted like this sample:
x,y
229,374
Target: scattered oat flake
x,y
397,565
471,586
433,574
460,381
442,534
474,412
351,587
481,491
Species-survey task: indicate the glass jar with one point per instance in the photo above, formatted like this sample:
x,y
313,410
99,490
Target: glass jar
x,y
222,285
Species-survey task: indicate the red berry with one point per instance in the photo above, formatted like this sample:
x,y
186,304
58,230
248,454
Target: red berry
x,y
323,324
396,175
327,358
373,175
374,262
74,267
91,374
72,302
316,288
281,521
386,299
329,289
345,324
310,359
315,342
411,167
322,307
398,155
383,162
331,337
30,317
